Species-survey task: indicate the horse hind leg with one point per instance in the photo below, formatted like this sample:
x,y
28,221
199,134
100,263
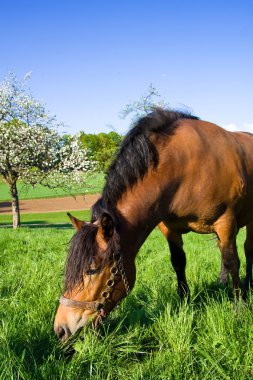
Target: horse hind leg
x,y
226,231
248,248
178,258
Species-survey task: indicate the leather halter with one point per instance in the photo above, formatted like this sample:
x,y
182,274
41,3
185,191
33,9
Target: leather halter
x,y
93,305
100,306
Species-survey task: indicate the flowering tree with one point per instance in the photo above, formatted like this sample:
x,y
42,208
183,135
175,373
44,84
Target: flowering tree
x,y
30,147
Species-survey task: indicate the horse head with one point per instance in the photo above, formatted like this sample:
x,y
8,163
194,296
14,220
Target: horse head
x,y
95,280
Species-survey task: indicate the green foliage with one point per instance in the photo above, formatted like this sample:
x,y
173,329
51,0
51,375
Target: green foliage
x,y
101,148
149,337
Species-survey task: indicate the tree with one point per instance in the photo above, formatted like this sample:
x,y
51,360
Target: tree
x,y
30,147
101,148
141,107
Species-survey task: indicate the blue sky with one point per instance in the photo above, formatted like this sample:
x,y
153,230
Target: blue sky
x,y
90,58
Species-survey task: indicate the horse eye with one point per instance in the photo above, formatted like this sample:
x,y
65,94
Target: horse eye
x,y
91,271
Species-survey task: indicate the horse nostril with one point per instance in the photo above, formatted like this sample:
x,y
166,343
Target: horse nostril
x,y
61,332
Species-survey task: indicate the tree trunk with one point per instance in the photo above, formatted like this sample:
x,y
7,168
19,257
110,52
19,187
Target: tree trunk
x,y
15,205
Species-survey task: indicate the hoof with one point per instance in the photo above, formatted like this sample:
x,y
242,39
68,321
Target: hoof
x,y
223,281
247,284
183,293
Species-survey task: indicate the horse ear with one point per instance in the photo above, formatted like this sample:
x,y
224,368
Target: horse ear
x,y
76,222
107,225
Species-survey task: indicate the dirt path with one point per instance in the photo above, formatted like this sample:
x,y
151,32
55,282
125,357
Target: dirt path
x,y
81,202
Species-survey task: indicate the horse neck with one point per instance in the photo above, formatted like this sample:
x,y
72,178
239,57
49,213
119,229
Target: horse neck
x,y
133,228
137,220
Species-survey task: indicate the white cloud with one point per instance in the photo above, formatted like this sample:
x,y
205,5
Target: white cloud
x,y
247,127
230,127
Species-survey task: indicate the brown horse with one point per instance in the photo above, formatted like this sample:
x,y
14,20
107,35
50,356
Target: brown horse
x,y
175,169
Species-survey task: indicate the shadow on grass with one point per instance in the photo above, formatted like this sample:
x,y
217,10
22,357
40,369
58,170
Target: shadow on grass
x,y
214,290
35,352
142,310
4,204
39,224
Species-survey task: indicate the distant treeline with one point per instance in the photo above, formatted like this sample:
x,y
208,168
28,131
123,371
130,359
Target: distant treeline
x,y
101,147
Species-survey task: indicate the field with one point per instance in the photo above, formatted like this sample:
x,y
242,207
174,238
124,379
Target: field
x,y
93,184
149,337
57,219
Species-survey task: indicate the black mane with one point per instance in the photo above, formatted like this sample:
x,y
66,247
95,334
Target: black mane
x,y
137,153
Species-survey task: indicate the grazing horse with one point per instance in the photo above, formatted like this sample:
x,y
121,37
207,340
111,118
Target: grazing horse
x,y
174,169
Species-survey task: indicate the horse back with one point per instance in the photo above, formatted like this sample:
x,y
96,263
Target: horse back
x,y
205,170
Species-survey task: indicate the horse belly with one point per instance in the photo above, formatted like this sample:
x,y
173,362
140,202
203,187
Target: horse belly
x,y
245,215
191,223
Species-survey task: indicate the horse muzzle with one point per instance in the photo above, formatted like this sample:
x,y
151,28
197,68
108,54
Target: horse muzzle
x,y
70,321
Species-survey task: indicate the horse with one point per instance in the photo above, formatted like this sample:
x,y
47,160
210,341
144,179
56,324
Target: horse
x,y
172,170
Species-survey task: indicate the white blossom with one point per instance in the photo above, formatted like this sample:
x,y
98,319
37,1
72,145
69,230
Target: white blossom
x,y
31,149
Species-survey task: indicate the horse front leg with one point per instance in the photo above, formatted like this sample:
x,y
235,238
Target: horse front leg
x,y
178,259
224,273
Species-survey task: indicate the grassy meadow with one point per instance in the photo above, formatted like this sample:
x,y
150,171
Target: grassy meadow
x,y
150,336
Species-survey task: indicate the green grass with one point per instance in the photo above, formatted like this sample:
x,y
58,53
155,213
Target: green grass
x,y
149,337
51,218
94,184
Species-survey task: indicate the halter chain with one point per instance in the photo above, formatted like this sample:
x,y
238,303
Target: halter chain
x,y
100,306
